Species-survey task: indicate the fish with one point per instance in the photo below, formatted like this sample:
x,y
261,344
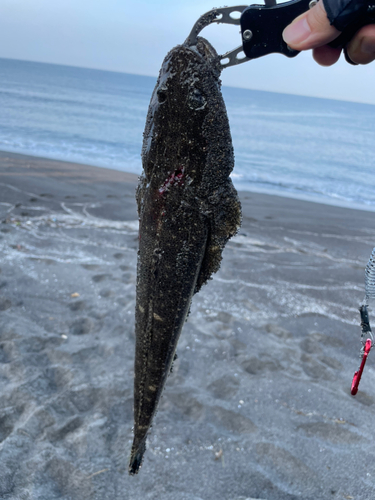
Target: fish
x,y
188,209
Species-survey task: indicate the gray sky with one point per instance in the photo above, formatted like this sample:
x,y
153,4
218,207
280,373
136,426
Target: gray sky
x,y
134,37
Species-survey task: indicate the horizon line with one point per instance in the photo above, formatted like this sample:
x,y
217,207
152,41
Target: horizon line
x,y
155,76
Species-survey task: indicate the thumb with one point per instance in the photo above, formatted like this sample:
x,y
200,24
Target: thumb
x,y
310,30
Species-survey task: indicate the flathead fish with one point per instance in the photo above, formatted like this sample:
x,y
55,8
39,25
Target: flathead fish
x,y
188,209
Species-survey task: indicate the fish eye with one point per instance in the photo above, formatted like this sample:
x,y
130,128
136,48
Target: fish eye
x,y
162,94
196,100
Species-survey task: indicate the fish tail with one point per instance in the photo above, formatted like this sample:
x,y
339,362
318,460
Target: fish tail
x,y
136,457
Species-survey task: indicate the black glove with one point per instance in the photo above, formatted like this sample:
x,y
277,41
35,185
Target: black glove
x,y
343,13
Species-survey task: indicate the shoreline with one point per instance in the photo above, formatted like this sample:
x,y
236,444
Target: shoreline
x,y
70,166
120,175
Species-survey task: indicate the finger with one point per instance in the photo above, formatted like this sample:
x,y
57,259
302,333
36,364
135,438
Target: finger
x,y
361,49
326,55
310,30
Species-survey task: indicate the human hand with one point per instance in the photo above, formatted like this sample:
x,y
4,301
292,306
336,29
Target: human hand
x,y
312,30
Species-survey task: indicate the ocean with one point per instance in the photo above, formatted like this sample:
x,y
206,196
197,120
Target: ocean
x,y
302,147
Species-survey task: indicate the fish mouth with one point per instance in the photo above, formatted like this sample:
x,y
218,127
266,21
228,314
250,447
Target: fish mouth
x,y
207,51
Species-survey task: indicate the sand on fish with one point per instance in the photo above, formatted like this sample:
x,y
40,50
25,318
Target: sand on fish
x,y
258,405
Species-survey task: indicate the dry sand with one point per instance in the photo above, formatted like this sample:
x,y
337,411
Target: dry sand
x,y
258,405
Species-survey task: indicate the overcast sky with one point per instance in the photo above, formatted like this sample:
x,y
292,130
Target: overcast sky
x,y
134,37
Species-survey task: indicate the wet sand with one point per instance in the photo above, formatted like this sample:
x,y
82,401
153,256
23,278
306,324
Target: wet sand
x,y
258,405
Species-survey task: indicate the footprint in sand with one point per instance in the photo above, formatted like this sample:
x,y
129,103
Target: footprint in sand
x,y
256,365
78,305
231,421
37,344
122,301
118,255
314,369
224,387
278,331
90,267
5,304
311,346
100,277
81,326
7,352
84,397
8,420
336,433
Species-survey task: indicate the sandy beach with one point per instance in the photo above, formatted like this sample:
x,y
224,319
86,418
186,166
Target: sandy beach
x,y
258,405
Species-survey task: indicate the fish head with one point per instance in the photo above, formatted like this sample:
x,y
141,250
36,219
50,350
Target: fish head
x,y
187,93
